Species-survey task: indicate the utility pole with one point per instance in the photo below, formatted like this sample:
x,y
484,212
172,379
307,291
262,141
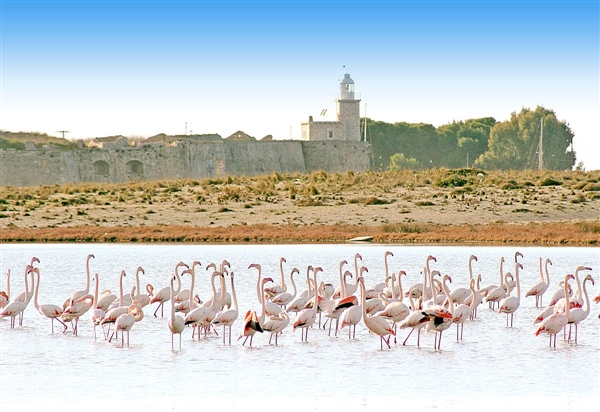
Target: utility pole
x,y
63,132
541,148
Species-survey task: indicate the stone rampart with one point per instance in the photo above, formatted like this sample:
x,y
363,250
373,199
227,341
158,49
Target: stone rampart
x,y
187,159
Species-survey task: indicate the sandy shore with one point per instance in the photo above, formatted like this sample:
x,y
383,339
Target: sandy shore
x,y
289,212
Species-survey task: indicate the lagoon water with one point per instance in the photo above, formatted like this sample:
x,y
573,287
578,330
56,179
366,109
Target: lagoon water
x,y
493,366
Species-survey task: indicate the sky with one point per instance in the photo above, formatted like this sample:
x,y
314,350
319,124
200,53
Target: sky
x,y
140,68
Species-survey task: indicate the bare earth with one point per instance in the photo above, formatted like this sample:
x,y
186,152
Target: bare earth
x,y
400,214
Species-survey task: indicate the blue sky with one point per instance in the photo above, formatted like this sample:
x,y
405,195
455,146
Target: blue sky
x,y
139,68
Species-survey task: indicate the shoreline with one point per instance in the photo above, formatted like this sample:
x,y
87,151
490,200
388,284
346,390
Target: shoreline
x,y
539,234
430,207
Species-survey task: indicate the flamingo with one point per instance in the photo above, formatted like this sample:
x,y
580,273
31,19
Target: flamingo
x,y
459,295
79,293
540,288
163,294
16,307
376,324
284,298
252,321
229,316
5,296
510,285
176,323
106,298
560,294
23,297
577,300
419,318
201,315
498,293
97,313
557,321
276,324
350,288
437,322
379,287
485,291
577,315
462,311
306,317
510,304
300,302
50,311
112,315
354,314
125,321
190,303
474,299
225,299
333,308
273,290
76,310
396,311
143,299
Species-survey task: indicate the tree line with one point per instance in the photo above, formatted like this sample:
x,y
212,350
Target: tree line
x,y
481,143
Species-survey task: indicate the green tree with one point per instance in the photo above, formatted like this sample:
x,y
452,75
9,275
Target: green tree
x,y
400,162
514,144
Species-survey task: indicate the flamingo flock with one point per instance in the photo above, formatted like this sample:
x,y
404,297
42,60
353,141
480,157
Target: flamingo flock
x,y
385,308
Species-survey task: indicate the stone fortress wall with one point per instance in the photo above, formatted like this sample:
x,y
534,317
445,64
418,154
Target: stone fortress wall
x,y
184,159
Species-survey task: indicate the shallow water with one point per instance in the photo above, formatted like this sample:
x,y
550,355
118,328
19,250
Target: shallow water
x,y
492,363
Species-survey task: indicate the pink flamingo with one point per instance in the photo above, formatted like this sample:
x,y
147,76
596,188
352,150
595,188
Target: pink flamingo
x,y
577,315
276,324
376,324
16,307
229,316
510,304
540,288
176,323
459,295
252,321
438,323
284,298
50,311
5,296
306,317
163,295
461,312
77,294
557,321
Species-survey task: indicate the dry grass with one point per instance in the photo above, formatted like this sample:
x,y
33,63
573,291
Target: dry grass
x,y
436,205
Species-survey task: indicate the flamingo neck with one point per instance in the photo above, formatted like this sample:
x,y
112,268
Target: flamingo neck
x,y
233,296
37,288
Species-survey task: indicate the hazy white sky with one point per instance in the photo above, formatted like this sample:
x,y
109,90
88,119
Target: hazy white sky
x,y
139,68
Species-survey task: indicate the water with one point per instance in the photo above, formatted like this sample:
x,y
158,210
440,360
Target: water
x,y
493,363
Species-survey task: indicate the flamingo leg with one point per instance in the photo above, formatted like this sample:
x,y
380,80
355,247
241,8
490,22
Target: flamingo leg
x,y
158,307
410,333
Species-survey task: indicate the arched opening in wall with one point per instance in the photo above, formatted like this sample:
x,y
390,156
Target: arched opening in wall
x,y
134,168
101,168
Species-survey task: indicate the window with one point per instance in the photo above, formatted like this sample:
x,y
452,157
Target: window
x,y
330,134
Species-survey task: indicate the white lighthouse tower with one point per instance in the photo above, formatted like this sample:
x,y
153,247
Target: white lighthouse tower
x,y
348,109
347,125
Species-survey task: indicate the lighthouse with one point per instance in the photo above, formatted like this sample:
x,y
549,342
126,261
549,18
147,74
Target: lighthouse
x,y
347,125
348,109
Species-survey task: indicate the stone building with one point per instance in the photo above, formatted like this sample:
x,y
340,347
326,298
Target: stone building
x,y
347,125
